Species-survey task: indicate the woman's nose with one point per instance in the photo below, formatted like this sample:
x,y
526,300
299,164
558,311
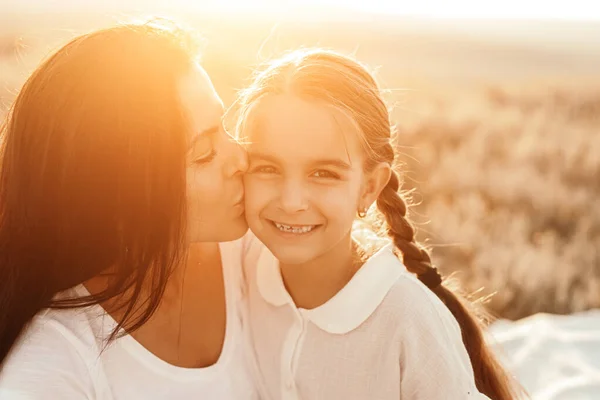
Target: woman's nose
x,y
238,163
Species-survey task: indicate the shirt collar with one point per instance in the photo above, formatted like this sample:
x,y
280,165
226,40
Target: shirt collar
x,y
352,305
269,281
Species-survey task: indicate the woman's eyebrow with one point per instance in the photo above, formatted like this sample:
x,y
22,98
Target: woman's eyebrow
x,y
206,132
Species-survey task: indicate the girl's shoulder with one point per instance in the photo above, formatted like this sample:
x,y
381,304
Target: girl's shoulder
x,y
429,339
408,302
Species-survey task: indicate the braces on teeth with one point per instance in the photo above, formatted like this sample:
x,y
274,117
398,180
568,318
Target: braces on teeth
x,y
291,229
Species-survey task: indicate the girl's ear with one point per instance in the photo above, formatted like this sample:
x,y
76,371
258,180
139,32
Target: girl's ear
x,y
374,183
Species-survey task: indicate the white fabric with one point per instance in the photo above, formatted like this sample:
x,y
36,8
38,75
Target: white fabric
x,y
384,336
556,357
59,357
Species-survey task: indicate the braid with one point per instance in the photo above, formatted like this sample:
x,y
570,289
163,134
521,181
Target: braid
x,y
416,258
490,377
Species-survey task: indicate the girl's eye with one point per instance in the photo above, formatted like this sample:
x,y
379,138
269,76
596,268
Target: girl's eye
x,y
325,174
206,159
263,169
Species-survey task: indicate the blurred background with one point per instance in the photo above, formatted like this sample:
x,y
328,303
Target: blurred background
x,y
497,106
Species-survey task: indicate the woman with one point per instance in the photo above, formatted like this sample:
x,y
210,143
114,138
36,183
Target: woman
x,y
117,181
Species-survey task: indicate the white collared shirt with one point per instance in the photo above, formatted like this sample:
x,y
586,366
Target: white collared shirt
x,y
384,336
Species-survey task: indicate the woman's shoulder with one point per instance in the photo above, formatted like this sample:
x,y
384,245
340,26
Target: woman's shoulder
x,y
76,329
55,355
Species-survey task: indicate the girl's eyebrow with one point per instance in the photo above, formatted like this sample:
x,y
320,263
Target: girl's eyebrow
x,y
333,162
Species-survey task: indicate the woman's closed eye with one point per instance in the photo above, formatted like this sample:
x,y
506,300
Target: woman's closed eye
x,y
206,158
205,147
325,174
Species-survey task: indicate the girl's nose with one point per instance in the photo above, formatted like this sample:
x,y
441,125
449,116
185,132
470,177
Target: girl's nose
x,y
293,197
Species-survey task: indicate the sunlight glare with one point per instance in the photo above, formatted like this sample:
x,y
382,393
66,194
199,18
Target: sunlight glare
x,y
517,9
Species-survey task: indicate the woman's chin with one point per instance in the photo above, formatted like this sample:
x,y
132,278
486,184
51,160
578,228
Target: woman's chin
x,y
236,232
227,232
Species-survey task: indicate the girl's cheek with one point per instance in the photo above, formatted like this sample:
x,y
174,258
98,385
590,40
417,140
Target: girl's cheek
x,y
336,196
256,195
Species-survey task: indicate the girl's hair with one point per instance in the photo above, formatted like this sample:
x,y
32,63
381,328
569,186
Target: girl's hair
x,y
92,176
339,81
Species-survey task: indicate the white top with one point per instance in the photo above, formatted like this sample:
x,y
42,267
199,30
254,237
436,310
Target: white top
x,y
384,336
59,357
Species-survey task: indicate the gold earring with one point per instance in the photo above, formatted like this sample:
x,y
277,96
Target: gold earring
x,y
362,213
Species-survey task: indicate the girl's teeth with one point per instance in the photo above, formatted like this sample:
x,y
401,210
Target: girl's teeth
x,y
294,229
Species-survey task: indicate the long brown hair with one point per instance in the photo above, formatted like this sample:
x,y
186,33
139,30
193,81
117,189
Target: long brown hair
x,y
340,81
92,175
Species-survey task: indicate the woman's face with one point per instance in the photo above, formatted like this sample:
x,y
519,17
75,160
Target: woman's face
x,y
215,164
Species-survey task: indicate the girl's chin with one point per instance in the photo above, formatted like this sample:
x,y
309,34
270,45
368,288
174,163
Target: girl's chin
x,y
294,255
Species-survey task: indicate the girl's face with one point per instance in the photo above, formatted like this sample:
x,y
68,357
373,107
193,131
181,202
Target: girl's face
x,y
305,180
215,164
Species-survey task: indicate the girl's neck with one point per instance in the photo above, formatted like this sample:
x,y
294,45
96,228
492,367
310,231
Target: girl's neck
x,y
315,282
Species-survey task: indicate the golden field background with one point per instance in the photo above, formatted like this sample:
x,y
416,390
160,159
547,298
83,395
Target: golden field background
x,y
498,122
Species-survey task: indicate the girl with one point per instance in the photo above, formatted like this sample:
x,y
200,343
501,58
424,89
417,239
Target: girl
x,y
117,181
326,320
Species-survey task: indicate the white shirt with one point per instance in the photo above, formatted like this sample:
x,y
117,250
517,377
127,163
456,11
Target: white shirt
x,y
384,336
59,357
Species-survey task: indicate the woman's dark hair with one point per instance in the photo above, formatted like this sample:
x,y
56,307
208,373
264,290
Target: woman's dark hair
x,y
92,176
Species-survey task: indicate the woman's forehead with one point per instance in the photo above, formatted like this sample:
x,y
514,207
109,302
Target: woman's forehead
x,y
200,99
